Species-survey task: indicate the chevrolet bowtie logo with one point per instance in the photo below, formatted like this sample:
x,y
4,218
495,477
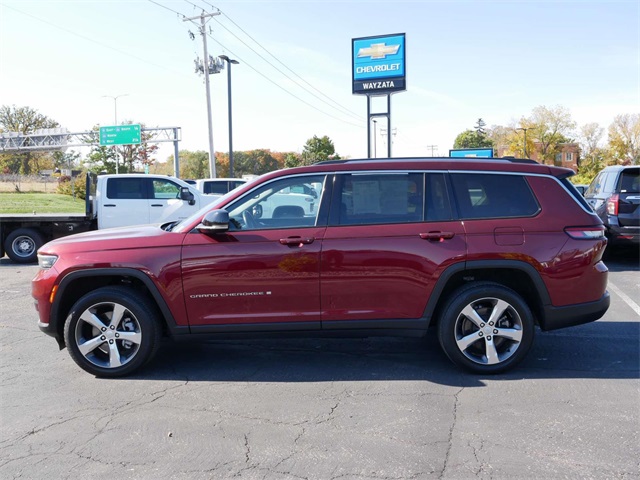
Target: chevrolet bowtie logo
x,y
378,50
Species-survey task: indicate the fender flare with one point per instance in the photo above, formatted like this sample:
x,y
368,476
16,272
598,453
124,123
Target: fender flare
x,y
167,315
470,266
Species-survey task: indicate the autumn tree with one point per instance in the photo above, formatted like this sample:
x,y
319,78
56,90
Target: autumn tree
x,y
24,120
550,127
624,139
254,162
193,165
292,159
472,139
318,149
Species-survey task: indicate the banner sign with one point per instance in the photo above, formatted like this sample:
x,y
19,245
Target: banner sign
x,y
378,64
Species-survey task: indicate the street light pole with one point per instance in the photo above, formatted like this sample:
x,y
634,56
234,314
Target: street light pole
x,y
525,140
115,117
375,139
115,105
229,63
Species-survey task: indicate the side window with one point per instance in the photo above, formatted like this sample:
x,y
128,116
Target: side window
x,y
276,205
596,185
218,188
610,182
164,189
630,181
376,198
126,188
493,196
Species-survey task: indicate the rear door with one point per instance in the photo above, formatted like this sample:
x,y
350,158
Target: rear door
x,y
390,236
126,203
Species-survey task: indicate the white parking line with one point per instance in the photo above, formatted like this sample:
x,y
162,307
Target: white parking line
x,y
625,297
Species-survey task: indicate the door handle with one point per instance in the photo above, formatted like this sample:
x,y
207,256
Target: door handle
x,y
296,241
438,236
156,204
109,205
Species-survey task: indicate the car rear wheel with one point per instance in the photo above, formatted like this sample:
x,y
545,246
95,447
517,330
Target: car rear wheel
x,y
112,331
486,328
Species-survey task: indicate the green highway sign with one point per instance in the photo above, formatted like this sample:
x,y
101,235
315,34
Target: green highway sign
x,y
120,135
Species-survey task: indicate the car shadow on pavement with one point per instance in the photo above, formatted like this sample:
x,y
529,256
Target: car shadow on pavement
x,y
622,258
596,350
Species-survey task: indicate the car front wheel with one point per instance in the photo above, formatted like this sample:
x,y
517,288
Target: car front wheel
x,y
112,331
486,328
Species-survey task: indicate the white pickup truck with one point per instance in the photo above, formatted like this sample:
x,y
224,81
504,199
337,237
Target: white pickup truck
x,y
111,201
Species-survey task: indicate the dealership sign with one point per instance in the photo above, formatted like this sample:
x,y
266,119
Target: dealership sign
x,y
378,64
471,153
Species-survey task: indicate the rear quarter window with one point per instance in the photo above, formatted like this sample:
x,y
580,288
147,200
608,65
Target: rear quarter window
x,y
480,195
630,181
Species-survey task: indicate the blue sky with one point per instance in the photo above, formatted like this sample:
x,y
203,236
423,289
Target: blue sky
x,y
465,60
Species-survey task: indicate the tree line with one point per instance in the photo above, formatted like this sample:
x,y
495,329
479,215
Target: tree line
x,y
546,129
136,158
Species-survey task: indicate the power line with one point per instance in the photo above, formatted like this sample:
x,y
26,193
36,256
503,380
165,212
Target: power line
x,y
244,62
256,70
84,37
346,110
167,8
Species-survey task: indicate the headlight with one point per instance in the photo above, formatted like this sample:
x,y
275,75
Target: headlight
x,y
46,261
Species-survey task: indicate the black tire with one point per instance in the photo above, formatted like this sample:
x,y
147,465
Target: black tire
x,y
22,245
478,342
107,349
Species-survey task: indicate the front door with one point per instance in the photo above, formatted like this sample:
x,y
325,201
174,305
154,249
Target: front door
x,y
264,270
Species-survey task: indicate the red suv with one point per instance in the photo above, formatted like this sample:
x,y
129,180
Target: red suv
x,y
484,250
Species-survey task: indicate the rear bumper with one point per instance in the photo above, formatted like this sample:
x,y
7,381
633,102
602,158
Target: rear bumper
x,y
571,315
624,235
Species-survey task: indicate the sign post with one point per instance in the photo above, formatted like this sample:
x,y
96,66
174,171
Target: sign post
x,y
378,69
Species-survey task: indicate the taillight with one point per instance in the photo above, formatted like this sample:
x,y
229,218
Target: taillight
x,y
585,233
612,204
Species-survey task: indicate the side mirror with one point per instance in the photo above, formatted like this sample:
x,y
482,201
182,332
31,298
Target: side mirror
x,y
216,221
185,194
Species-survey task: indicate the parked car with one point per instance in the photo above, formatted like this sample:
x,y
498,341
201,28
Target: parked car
x,y
483,249
614,194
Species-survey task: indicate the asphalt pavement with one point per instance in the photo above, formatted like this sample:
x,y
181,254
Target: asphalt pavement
x,y
353,409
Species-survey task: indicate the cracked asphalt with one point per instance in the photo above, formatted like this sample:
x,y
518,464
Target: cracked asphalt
x,y
352,409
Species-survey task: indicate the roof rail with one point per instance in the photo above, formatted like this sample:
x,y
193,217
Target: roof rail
x,y
422,159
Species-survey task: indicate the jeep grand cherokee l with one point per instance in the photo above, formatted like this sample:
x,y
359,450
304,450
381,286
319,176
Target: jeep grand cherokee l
x,y
485,250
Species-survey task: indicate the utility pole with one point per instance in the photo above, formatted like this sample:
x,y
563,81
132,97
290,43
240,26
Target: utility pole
x,y
433,148
204,17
